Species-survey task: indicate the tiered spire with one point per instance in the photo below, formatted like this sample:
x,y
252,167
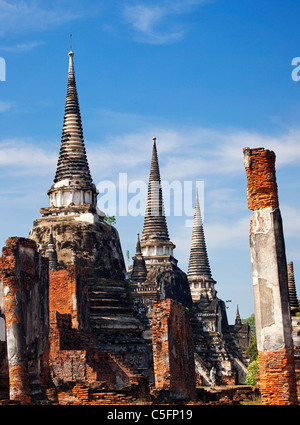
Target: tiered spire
x,y
73,191
238,321
292,289
139,270
198,263
155,224
202,285
72,161
50,252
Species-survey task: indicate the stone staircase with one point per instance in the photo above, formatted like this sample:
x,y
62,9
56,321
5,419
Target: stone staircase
x,y
114,322
111,310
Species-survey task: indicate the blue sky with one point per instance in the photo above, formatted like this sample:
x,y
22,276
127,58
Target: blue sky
x,y
206,77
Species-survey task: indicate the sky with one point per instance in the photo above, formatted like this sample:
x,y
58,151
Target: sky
x,y
205,77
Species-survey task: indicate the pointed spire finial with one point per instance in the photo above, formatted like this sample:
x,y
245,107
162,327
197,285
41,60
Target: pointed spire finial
x,y
238,321
292,289
155,224
139,270
72,159
198,262
51,253
138,245
71,42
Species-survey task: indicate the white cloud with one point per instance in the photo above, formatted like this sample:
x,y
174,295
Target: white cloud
x,y
23,156
146,21
226,234
291,221
5,106
30,15
153,24
188,153
22,47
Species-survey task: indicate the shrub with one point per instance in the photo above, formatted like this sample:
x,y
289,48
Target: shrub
x,y
252,371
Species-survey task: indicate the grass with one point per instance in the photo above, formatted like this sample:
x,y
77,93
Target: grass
x,y
255,402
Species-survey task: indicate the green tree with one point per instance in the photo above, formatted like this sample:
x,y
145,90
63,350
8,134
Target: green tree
x,y
252,348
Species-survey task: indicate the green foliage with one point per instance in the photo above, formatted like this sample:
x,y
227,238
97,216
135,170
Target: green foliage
x,y
252,348
187,310
252,371
127,254
110,219
251,322
298,314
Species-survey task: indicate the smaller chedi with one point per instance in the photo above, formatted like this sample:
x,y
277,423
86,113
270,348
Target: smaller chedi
x,y
155,274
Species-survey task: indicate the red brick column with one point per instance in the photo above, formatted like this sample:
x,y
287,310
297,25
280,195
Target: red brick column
x,y
277,376
173,350
270,282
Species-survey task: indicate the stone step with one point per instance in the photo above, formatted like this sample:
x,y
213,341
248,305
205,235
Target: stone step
x,y
107,294
110,299
115,324
107,289
111,309
106,282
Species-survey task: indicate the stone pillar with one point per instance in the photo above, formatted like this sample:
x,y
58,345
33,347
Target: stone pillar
x,y
19,389
270,282
24,302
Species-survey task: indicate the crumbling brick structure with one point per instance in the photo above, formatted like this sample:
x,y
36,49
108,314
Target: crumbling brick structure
x,y
173,350
270,281
68,294
78,368
24,304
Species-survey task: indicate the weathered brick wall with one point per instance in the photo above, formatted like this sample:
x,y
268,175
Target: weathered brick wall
x,y
173,350
68,294
277,377
261,177
24,298
297,371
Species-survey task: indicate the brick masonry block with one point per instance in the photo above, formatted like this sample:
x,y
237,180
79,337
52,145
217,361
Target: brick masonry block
x,y
277,377
261,177
173,354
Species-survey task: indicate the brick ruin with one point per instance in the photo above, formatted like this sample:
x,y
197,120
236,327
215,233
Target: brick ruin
x,y
51,351
73,334
270,281
77,331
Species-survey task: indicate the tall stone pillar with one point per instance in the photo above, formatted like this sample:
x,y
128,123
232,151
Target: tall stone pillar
x,y
19,389
270,281
24,302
